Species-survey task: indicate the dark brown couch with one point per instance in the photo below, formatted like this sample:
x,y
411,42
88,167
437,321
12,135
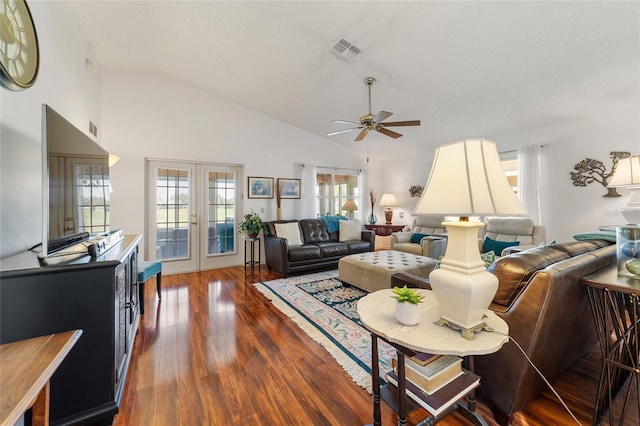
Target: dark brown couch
x,y
547,309
319,250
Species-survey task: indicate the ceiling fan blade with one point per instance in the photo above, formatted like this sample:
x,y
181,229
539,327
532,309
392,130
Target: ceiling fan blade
x,y
345,121
381,116
343,131
361,136
387,132
402,123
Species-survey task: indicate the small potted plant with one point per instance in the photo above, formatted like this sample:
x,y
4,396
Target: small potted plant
x,y
407,308
252,225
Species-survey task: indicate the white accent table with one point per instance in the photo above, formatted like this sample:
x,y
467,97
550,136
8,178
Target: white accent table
x,y
377,313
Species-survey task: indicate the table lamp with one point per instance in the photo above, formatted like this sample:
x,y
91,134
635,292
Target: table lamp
x,y
388,201
627,175
349,206
466,179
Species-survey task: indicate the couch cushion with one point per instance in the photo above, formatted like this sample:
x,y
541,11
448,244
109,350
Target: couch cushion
x,y
415,238
350,230
497,246
332,249
357,246
515,270
290,231
314,231
305,252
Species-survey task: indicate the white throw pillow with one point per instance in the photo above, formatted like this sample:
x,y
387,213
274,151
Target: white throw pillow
x,y
290,231
350,230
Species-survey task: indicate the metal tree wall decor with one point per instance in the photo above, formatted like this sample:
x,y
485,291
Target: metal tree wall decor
x,y
590,170
415,190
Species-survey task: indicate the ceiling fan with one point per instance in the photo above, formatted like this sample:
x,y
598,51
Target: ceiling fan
x,y
374,122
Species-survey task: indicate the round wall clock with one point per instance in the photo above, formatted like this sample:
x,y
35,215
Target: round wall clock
x,y
19,55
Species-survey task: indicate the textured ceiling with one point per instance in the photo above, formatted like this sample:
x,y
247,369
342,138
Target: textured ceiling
x,y
465,69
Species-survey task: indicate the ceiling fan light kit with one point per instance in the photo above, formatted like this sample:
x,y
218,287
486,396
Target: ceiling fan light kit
x,y
370,122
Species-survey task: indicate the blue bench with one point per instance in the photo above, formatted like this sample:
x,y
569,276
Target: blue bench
x,y
146,270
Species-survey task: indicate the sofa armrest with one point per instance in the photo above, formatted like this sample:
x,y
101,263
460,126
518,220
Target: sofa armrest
x,y
433,247
370,237
276,253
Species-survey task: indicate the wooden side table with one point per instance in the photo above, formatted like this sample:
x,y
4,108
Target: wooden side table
x,y
25,369
615,303
377,313
384,230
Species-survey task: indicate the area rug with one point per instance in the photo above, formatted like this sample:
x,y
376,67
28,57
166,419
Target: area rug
x,y
325,308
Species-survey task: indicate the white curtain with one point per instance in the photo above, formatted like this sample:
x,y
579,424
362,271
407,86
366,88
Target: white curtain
x,y
308,189
531,183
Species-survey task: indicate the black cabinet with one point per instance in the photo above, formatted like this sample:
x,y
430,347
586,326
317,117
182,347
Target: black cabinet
x,y
97,295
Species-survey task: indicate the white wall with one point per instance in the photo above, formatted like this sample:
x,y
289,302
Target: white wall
x,y
66,85
149,115
569,209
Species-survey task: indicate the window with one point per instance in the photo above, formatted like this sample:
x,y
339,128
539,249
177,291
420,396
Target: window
x,y
173,190
509,161
91,189
333,188
221,188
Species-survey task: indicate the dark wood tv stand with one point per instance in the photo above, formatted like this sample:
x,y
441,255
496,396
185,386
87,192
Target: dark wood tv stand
x,y
96,295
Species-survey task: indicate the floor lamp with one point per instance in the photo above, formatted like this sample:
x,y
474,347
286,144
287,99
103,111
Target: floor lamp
x,y
466,179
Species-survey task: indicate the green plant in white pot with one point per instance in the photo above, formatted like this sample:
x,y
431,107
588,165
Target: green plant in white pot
x,y
408,305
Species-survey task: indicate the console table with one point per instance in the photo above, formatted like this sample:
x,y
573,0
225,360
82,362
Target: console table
x,y
377,313
384,230
615,302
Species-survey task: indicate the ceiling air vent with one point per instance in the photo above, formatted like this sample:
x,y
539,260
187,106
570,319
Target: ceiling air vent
x,y
343,48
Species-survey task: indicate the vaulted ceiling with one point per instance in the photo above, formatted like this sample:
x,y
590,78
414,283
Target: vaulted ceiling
x,y
465,69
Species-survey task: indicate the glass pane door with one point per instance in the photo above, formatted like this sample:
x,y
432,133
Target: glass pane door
x,y
172,215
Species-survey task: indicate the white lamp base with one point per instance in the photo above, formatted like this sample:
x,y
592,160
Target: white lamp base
x,y
632,212
462,285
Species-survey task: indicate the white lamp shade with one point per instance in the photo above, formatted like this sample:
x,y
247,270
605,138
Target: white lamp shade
x,y
467,179
627,173
113,159
388,200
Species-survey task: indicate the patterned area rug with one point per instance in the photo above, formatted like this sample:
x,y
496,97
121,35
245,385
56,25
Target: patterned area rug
x,y
325,309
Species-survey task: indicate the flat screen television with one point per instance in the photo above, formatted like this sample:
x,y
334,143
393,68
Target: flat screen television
x,y
76,184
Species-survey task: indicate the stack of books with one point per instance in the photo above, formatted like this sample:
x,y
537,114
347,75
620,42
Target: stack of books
x,y
435,382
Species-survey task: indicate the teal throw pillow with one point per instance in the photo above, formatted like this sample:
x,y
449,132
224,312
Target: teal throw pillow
x,y
415,238
497,246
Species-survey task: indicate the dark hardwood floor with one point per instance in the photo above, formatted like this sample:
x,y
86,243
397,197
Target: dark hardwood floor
x,y
214,351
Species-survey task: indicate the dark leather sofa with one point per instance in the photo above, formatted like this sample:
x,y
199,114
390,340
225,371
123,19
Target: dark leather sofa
x,y
320,249
547,309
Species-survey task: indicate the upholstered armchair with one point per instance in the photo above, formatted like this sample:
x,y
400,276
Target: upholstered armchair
x,y
504,235
427,237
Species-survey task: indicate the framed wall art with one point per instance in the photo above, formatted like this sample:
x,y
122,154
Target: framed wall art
x,y
289,188
260,187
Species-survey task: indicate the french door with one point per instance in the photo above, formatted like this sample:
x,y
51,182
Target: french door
x,y
192,214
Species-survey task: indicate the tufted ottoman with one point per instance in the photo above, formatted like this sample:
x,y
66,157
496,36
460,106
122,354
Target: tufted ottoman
x,y
371,271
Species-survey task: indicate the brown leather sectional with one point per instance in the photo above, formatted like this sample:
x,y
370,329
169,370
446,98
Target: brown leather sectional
x,y
547,309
